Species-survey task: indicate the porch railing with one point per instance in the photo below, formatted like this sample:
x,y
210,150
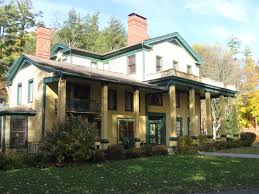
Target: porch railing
x,y
82,105
27,148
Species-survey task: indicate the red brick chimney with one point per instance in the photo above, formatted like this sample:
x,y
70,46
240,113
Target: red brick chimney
x,y
137,29
43,41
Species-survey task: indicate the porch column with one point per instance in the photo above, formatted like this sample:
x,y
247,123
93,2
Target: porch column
x,y
171,132
136,112
222,116
104,109
193,120
208,113
234,114
61,109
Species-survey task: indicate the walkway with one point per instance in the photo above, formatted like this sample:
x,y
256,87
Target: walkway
x,y
232,155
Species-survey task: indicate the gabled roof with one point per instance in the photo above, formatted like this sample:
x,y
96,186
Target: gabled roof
x,y
61,68
147,44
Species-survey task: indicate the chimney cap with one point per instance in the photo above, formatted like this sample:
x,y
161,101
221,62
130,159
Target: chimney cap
x,y
134,14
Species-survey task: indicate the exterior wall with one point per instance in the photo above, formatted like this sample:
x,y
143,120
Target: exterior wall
x,y
23,76
169,52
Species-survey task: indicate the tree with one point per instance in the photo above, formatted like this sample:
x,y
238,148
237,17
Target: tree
x,y
234,45
85,33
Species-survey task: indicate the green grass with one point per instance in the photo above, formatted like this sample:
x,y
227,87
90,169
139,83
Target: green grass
x,y
155,174
244,150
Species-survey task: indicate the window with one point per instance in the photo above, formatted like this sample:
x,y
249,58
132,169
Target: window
x,y
179,126
96,125
81,91
155,99
175,65
131,64
18,135
158,63
19,94
189,69
126,130
30,90
177,100
112,100
94,64
128,101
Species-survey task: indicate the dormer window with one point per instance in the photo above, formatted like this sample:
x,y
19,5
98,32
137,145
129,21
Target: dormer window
x,y
131,64
158,63
189,69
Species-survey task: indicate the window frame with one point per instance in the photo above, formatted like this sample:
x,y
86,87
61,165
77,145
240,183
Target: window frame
x,y
175,65
131,66
160,66
189,69
30,90
12,132
126,120
131,109
19,94
115,99
179,119
152,103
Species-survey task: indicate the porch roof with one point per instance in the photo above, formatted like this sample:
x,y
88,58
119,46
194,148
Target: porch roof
x,y
73,70
19,110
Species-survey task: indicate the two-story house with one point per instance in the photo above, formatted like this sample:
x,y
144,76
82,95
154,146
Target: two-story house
x,y
149,90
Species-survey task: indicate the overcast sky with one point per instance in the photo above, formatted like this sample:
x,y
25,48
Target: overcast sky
x,y
198,21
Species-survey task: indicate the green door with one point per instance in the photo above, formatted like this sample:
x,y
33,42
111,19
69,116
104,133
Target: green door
x,y
156,133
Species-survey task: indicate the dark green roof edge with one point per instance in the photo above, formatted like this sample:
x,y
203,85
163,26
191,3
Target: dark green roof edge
x,y
183,43
147,44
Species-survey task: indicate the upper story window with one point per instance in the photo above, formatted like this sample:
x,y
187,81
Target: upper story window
x,y
19,93
94,64
132,64
155,99
129,101
112,99
189,69
175,65
30,90
158,63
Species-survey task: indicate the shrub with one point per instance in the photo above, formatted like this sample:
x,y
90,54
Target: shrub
x,y
133,153
185,145
72,140
207,147
99,156
159,150
147,150
247,138
11,161
115,152
203,140
38,160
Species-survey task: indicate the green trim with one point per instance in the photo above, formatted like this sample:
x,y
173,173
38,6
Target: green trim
x,y
26,126
167,81
43,109
30,81
18,113
51,79
175,36
19,101
163,115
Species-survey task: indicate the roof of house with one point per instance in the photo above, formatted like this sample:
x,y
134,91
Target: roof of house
x,y
73,70
19,110
146,44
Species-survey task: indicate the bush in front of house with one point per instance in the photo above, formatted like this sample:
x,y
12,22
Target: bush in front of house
x,y
115,152
99,156
71,141
147,150
133,153
186,145
247,138
159,150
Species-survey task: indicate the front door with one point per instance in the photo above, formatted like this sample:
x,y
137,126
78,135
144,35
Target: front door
x,y
156,130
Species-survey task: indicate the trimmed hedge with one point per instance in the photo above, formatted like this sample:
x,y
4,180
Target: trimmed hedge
x,y
247,138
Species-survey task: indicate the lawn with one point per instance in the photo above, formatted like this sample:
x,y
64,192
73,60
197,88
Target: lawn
x,y
155,174
244,150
